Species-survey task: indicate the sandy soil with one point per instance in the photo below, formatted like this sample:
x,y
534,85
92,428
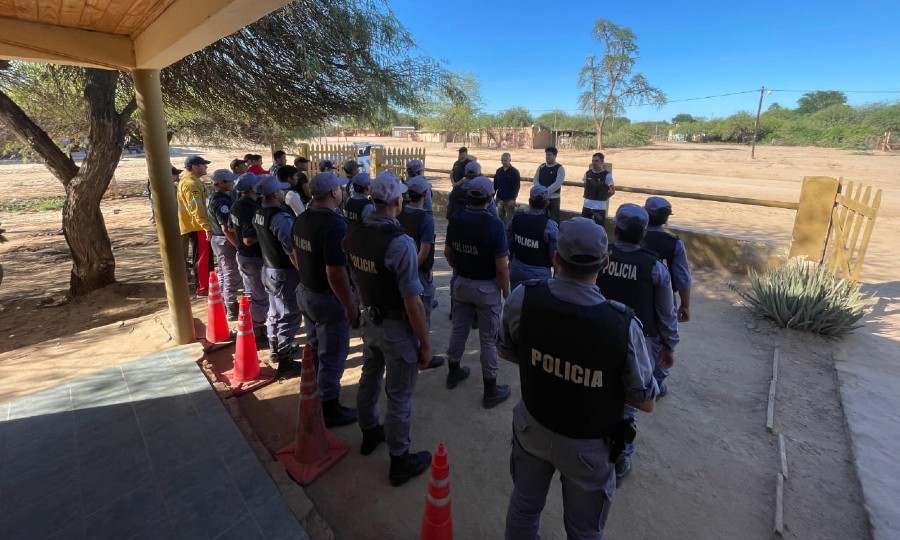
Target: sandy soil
x,y
705,466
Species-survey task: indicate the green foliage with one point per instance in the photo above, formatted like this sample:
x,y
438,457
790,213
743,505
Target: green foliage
x,y
627,135
455,105
514,117
32,205
811,102
805,296
683,119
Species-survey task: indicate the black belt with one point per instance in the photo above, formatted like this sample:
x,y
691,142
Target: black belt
x,y
378,315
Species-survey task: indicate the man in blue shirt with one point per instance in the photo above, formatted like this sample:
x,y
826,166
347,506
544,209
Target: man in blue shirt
x,y
507,182
394,332
581,359
249,258
531,236
671,252
476,250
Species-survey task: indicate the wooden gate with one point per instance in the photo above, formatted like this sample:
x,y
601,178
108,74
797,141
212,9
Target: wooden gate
x,y
395,160
852,221
337,153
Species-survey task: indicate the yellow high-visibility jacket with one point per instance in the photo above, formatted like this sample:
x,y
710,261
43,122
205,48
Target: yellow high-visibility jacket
x,y
191,197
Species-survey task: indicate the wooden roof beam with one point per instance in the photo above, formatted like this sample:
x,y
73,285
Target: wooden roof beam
x,y
38,42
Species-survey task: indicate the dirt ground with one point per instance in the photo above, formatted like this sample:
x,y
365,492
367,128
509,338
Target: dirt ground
x,y
705,465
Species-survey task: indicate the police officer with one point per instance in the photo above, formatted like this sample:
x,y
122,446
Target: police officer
x,y
351,167
273,223
581,359
302,188
551,175
292,197
636,278
414,168
459,166
418,223
598,188
476,249
223,240
531,236
671,252
458,197
249,257
394,332
324,290
358,205
279,159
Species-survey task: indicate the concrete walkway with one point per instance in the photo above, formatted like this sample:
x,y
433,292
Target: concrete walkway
x,y
868,370
141,450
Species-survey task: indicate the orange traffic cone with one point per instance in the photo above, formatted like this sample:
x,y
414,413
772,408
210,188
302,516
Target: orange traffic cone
x,y
217,329
437,523
246,376
315,449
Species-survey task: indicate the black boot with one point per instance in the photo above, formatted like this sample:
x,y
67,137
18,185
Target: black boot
x,y
371,439
287,366
436,361
261,335
273,353
231,311
456,374
408,466
494,394
336,414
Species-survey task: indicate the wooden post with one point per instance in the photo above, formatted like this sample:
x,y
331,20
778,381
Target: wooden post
x,y
153,128
811,224
762,90
303,150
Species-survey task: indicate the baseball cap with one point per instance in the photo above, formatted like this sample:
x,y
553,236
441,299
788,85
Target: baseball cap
x,y
247,181
361,179
324,182
631,216
655,204
582,242
270,184
386,188
176,170
473,167
350,165
481,187
326,165
539,193
236,162
415,165
418,184
223,175
194,160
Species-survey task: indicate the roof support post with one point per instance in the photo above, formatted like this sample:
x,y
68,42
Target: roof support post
x,y
153,128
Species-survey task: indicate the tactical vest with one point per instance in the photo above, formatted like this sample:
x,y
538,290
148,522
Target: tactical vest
x,y
218,200
353,208
663,244
412,222
529,245
473,257
571,359
242,216
595,188
366,246
628,279
272,251
309,230
457,200
547,174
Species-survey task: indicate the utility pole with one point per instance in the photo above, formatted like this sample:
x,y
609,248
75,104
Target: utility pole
x,y
762,90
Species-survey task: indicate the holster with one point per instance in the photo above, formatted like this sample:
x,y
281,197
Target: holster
x,y
624,434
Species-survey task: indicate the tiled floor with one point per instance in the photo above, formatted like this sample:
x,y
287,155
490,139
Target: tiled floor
x,y
141,450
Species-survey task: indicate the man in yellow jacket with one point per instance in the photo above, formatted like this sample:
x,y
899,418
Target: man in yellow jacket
x,y
193,220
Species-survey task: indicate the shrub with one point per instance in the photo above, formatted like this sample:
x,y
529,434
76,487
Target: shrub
x,y
805,296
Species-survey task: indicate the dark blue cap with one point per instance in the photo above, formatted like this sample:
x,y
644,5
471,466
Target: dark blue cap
x,y
631,216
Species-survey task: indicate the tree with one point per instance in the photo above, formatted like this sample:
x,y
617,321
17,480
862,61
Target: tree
x,y
456,104
683,119
608,83
515,117
259,83
811,102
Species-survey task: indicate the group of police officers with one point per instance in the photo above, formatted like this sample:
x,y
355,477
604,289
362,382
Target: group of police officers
x,y
592,326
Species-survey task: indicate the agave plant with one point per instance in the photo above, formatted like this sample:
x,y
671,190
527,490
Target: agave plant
x,y
805,296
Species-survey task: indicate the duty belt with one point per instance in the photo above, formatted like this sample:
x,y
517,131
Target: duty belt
x,y
378,315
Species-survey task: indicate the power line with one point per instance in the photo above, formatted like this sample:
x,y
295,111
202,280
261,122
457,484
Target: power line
x,y
841,91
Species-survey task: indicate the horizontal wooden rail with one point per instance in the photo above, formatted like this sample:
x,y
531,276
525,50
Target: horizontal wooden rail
x,y
678,194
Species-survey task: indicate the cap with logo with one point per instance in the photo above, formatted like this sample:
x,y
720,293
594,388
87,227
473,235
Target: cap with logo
x,y
418,184
631,216
582,242
654,204
324,182
386,188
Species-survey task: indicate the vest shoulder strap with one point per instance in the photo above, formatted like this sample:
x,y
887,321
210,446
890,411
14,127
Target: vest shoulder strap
x,y
532,282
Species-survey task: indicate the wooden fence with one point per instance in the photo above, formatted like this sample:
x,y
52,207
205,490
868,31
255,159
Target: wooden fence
x,y
337,153
852,220
395,159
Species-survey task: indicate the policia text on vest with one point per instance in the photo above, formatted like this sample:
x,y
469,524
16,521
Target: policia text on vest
x,y
567,371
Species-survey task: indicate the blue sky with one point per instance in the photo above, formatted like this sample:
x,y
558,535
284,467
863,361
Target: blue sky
x,y
529,53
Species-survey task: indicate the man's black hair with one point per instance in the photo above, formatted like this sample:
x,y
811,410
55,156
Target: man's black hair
x,y
286,171
579,270
248,157
660,218
359,189
463,149
473,199
539,204
632,235
278,154
552,150
300,159
415,197
599,155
